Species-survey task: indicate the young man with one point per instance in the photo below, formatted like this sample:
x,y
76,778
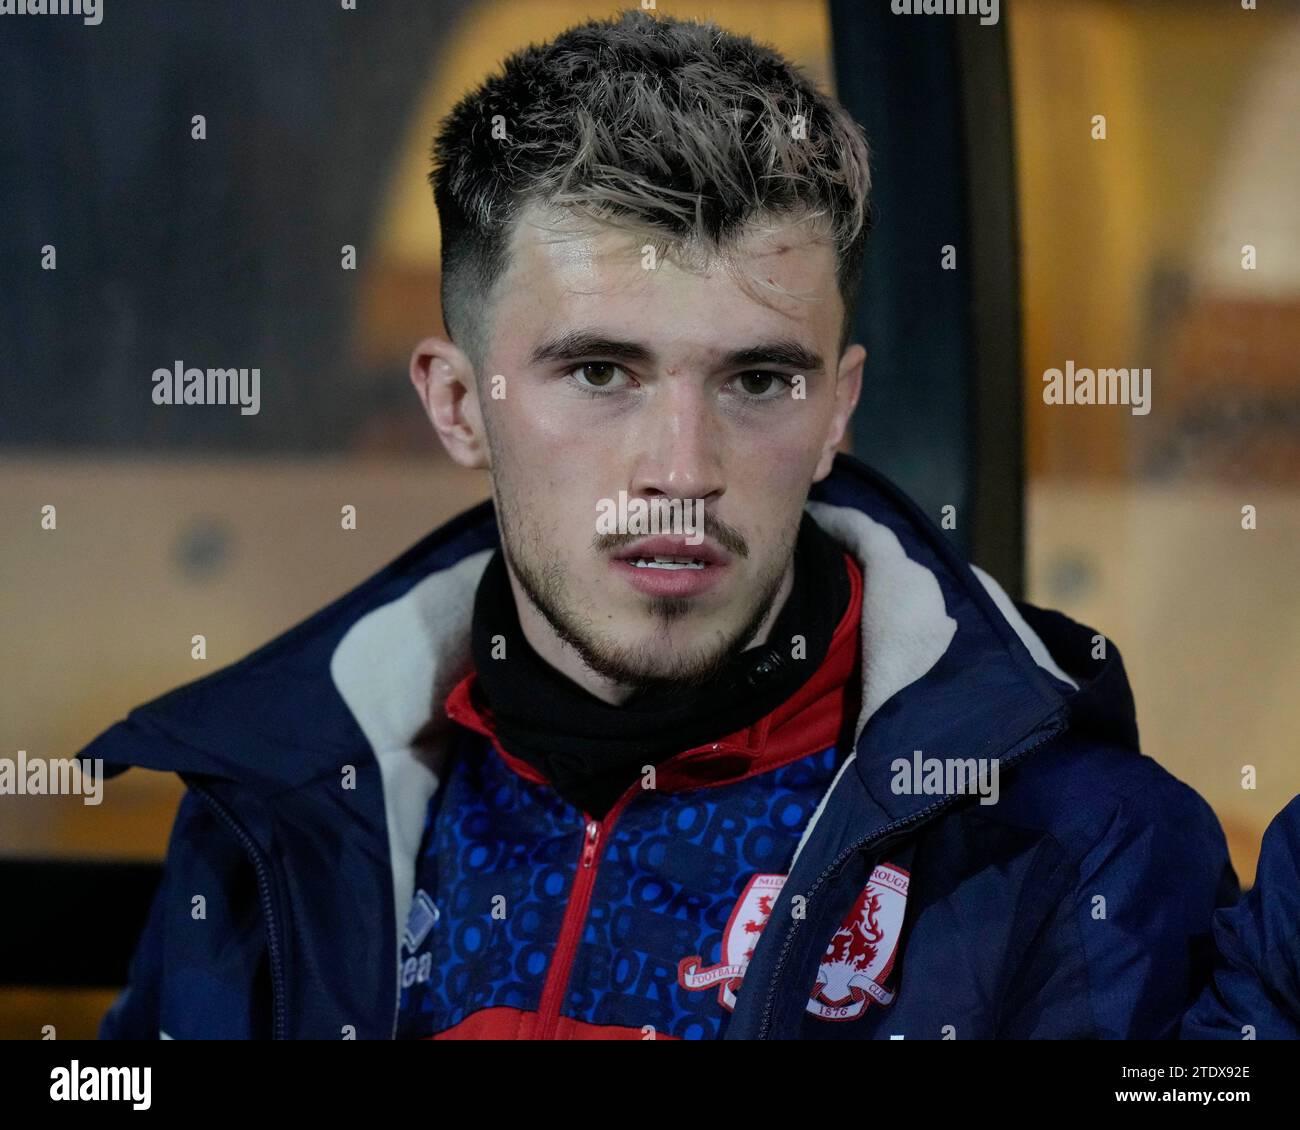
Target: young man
x,y
796,771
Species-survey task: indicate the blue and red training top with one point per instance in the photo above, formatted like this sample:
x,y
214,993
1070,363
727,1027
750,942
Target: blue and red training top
x,y
533,919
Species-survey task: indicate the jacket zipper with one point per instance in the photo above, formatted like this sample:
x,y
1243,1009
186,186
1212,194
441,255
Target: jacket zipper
x,y
262,871
595,833
876,840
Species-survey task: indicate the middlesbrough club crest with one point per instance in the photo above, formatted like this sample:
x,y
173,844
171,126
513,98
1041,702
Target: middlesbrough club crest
x,y
748,917
857,962
860,956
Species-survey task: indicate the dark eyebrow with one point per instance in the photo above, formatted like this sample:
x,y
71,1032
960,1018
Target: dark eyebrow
x,y
790,354
571,346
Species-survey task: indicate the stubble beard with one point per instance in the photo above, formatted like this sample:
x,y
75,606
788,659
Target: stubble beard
x,y
655,664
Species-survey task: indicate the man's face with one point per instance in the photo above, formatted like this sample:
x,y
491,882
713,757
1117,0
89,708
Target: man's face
x,y
623,378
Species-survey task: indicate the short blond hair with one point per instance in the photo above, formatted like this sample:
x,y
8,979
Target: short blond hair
x,y
678,131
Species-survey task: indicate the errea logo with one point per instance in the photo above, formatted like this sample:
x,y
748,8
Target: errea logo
x,y
101,1084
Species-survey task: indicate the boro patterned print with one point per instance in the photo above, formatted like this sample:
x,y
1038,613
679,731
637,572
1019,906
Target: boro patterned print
x,y
670,875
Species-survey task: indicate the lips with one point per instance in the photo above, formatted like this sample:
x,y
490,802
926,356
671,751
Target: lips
x,y
667,549
667,566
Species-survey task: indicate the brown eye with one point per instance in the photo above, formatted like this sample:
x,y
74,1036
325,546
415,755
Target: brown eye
x,y
598,373
760,384
763,380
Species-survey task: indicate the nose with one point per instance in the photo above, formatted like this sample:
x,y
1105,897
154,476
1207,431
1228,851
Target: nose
x,y
681,445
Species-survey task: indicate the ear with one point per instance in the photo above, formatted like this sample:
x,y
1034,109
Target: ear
x,y
848,387
444,380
